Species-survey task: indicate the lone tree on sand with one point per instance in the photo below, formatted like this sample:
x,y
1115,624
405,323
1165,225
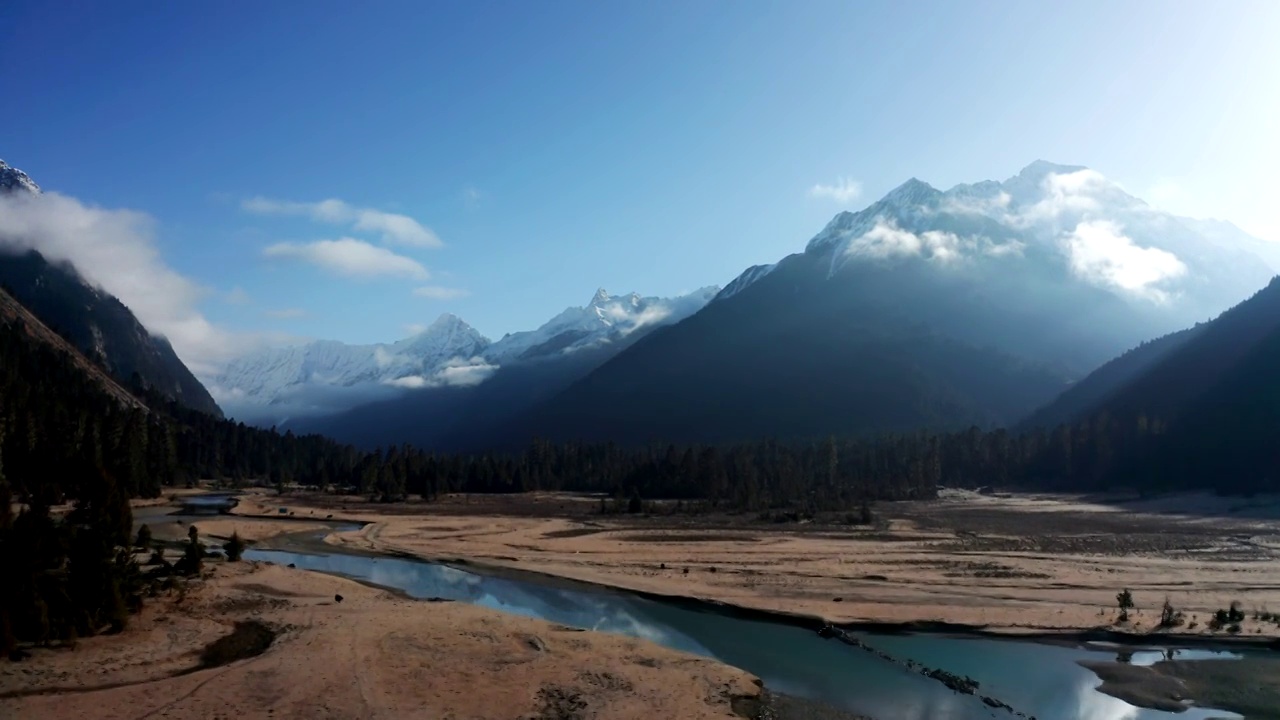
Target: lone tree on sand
x,y
144,538
1124,599
193,555
1169,616
234,547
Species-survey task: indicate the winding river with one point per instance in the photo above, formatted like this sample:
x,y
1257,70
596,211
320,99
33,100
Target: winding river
x,y
1037,679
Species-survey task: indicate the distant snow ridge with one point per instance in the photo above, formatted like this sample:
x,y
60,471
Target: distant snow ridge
x,y
605,319
1052,218
323,376
11,179
270,375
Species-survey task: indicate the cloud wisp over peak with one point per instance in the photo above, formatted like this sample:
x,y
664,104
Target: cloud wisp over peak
x,y
350,257
394,228
844,190
1100,252
886,240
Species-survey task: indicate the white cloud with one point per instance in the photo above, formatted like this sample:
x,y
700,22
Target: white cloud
x,y
628,321
845,190
383,358
395,228
415,328
409,382
464,373
115,250
459,372
1071,193
887,240
436,292
237,296
285,313
1100,252
351,257
1013,247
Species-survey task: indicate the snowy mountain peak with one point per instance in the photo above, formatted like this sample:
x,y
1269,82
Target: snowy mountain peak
x,y
446,322
1040,169
912,192
607,318
1060,223
12,179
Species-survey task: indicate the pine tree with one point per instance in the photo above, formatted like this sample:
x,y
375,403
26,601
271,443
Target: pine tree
x,y
143,541
234,547
192,561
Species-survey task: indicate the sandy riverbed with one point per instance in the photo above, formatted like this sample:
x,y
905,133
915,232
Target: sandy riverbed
x,y
374,655
1018,564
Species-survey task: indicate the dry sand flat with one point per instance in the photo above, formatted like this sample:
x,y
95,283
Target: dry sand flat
x,y
1008,564
374,655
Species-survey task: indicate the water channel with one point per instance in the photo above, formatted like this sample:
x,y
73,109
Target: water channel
x,y
1037,679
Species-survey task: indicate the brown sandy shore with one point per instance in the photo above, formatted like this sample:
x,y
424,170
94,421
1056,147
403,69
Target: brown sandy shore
x,y
1044,566
372,655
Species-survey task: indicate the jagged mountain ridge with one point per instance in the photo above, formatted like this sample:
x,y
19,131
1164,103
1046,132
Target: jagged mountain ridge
x,y
92,320
14,180
272,373
926,309
325,376
605,319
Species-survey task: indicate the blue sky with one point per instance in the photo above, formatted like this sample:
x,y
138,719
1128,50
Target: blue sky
x,y
554,147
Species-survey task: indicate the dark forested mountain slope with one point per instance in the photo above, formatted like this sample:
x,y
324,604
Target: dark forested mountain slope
x,y
1230,435
101,327
1091,393
1214,356
1219,395
17,317
1202,410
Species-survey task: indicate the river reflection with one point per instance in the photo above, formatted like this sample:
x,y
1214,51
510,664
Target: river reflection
x,y
1040,680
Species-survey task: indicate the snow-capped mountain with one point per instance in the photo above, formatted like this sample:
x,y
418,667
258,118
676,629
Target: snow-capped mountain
x,y
274,374
1063,220
605,319
327,376
926,309
11,178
